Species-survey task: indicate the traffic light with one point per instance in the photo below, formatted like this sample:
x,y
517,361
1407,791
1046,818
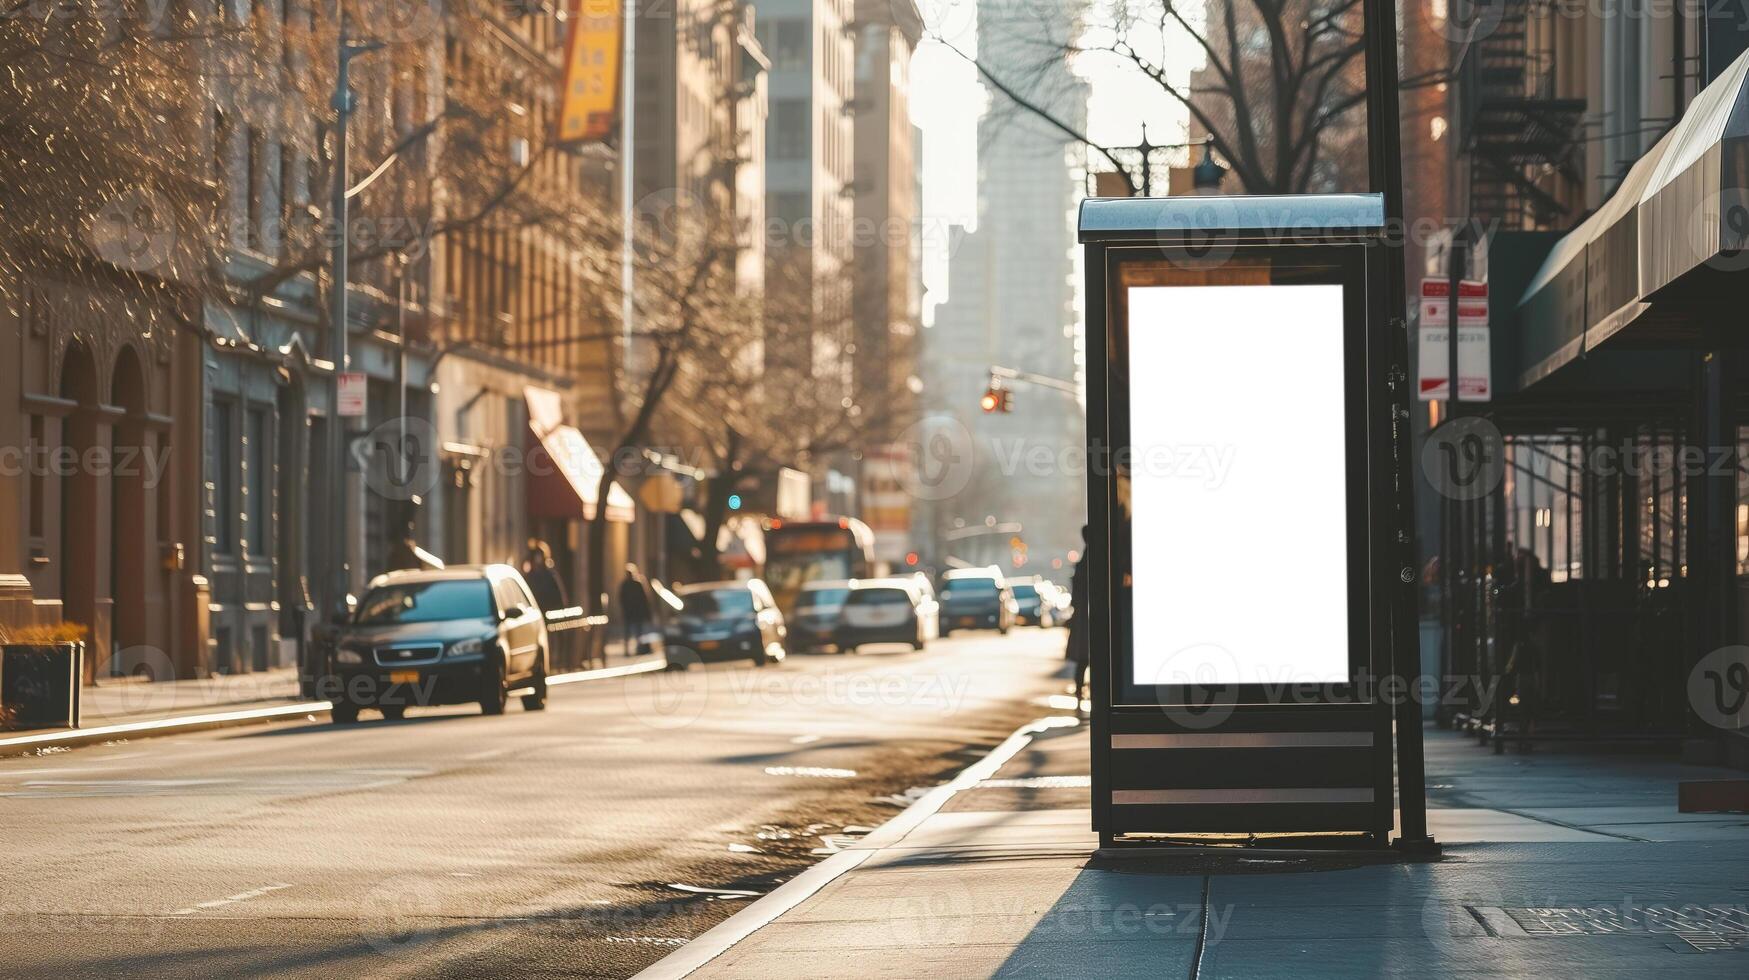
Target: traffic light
x,y
995,400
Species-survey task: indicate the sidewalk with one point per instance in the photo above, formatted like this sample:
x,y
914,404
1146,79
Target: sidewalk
x,y
1558,864
227,699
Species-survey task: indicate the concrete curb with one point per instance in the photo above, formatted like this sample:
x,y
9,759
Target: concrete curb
x,y
718,940
184,724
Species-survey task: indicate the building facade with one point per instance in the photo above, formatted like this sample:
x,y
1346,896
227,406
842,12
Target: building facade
x,y
809,193
102,274
1599,154
887,315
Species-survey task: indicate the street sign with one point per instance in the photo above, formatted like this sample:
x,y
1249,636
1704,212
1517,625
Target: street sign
x,y
1475,374
352,398
1243,551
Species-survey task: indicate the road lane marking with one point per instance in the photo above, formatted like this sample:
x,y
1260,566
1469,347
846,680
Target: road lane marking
x,y
230,899
811,772
804,740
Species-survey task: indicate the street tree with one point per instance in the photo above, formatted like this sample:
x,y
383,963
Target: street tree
x,y
1275,87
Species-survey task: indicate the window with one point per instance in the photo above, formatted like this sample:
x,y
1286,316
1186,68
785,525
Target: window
x,y
38,446
786,42
288,195
248,183
222,160
511,594
788,131
427,602
255,506
223,471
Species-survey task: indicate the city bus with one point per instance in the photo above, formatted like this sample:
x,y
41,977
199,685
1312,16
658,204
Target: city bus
x,y
798,552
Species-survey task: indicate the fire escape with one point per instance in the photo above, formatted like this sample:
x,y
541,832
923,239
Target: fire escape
x,y
1520,139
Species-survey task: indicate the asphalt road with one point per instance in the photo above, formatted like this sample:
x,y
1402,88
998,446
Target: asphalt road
x,y
451,844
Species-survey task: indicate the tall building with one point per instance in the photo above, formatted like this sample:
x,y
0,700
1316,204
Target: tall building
x,y
887,313
809,148
1011,303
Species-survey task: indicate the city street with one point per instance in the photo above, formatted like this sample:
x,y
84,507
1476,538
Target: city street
x,y
452,844
1320,426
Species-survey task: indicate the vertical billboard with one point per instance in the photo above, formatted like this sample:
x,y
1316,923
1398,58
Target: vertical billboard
x,y
1240,538
1240,533
589,104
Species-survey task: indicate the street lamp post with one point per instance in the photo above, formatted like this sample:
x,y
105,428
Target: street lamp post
x,y
1385,170
343,102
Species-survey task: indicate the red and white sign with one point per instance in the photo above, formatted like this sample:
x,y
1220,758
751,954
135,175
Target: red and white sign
x,y
352,395
1475,378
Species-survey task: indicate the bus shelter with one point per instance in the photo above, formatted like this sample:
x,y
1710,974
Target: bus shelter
x,y
1249,538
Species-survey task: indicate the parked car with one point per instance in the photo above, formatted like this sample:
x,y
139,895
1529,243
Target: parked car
x,y
1032,605
441,636
976,598
729,621
887,610
819,607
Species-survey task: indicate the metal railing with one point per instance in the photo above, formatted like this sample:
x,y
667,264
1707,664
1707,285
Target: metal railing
x,y
578,640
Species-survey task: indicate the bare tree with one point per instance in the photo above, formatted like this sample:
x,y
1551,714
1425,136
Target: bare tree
x,y
1276,87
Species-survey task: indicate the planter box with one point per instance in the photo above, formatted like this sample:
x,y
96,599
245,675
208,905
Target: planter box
x,y
40,684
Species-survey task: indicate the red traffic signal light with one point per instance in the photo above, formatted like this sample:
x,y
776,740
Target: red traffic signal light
x,y
995,400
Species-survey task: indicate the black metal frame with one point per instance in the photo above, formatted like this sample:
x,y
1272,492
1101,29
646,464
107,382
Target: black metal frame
x,y
1333,262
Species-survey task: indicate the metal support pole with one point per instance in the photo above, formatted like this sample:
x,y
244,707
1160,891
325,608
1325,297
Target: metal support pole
x,y
627,144
1452,524
1384,145
343,103
337,341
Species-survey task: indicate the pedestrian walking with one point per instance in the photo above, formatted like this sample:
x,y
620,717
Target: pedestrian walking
x,y
1076,650
634,609
543,576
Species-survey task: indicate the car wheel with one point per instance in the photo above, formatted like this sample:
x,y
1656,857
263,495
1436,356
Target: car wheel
x,y
945,633
343,713
493,697
394,712
917,641
760,659
538,700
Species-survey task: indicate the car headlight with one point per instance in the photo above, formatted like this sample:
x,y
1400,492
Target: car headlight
x,y
466,648
349,657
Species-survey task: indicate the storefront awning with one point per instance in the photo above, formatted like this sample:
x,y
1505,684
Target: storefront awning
x,y
1675,210
563,471
1693,208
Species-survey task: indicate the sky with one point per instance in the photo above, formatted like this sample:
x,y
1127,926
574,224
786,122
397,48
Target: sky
x,y
947,100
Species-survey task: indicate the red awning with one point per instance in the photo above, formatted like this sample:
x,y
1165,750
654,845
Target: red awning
x,y
563,471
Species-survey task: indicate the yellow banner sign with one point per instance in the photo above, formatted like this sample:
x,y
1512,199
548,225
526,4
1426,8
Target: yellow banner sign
x,y
589,107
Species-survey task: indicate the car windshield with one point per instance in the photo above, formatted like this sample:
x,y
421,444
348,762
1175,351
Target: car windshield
x,y
821,598
1025,592
719,603
879,597
426,602
961,587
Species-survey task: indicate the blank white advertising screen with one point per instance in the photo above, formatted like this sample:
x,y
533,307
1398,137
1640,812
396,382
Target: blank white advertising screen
x,y
1238,498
